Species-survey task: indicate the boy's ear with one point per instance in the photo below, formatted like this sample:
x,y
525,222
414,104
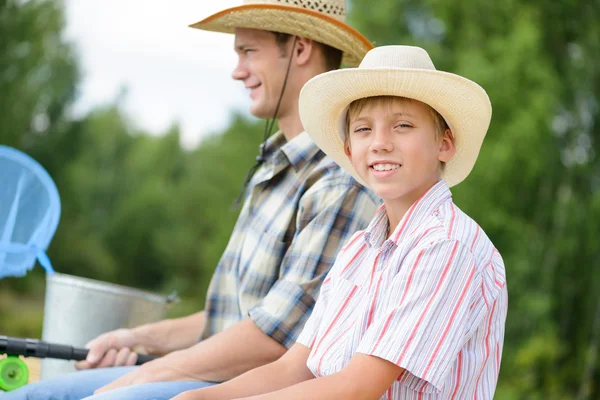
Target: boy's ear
x,y
347,149
447,148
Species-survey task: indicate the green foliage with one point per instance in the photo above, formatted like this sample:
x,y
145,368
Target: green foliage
x,y
37,70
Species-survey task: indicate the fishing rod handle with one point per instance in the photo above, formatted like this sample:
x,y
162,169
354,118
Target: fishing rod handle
x,y
39,349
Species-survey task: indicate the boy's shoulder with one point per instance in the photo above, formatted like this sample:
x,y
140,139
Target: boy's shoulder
x,y
446,228
450,223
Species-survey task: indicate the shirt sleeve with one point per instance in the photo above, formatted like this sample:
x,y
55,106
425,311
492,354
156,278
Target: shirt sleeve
x,y
327,217
427,322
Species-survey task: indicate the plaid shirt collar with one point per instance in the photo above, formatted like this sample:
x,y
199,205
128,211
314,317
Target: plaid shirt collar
x,y
297,152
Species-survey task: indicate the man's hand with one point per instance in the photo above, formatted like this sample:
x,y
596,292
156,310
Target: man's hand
x,y
116,348
111,349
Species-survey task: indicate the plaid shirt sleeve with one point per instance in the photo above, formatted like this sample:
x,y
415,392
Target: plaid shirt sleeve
x,y
329,213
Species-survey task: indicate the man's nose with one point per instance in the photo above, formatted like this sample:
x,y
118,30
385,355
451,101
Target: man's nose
x,y
240,72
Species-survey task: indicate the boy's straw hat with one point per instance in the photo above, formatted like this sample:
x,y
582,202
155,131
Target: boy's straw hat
x,y
397,71
321,20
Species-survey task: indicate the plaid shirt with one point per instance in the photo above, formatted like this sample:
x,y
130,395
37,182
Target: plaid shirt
x,y
300,208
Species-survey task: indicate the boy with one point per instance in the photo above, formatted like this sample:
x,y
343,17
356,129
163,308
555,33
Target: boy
x,y
415,305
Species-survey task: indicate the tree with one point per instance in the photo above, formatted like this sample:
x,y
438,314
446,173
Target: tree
x,y
38,72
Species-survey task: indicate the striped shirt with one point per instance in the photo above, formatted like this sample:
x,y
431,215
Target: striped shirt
x,y
299,210
431,299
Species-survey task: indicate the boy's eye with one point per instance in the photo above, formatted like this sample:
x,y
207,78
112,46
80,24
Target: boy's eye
x,y
402,125
362,129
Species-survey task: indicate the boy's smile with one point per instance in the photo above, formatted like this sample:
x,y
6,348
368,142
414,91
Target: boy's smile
x,y
384,168
395,148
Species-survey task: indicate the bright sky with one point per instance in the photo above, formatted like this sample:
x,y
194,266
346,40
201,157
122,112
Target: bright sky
x,y
172,73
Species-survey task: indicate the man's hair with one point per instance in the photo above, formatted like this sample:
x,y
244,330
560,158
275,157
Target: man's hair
x,y
331,56
357,106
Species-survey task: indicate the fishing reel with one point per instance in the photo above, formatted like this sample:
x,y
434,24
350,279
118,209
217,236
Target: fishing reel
x,y
14,373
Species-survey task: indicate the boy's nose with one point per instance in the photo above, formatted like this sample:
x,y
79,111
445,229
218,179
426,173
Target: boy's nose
x,y
382,140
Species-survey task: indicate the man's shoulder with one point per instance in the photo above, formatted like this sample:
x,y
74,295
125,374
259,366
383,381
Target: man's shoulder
x,y
328,174
327,177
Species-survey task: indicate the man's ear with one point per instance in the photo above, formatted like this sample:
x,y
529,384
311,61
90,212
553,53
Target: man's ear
x,y
447,148
304,50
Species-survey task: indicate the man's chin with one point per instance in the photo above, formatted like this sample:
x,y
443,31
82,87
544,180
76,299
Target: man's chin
x,y
262,113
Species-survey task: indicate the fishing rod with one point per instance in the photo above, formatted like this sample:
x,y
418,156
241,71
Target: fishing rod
x,y
14,372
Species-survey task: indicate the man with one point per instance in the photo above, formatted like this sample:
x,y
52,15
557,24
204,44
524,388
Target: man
x,y
298,211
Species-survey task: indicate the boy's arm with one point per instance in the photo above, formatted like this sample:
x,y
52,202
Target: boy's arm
x,y
364,378
289,370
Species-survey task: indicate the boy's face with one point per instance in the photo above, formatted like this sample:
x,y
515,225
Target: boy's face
x,y
261,66
396,150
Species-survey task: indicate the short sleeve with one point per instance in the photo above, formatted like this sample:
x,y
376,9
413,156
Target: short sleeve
x,y
426,323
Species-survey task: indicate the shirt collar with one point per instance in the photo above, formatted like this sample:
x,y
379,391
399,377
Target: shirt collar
x,y
274,144
426,205
376,232
297,152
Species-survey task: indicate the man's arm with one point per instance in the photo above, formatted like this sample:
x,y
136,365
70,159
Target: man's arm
x,y
289,370
115,348
221,357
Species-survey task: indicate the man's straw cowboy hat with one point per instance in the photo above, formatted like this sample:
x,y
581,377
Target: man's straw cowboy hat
x,y
403,71
321,20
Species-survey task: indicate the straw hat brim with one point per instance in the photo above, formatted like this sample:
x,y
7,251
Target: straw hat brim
x,y
294,21
464,105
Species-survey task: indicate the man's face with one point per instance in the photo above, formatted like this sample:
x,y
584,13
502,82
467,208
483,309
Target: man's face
x,y
395,149
261,66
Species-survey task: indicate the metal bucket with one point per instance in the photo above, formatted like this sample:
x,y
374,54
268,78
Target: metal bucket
x,y
78,309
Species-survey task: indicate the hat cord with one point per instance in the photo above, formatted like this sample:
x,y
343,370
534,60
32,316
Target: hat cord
x,y
260,159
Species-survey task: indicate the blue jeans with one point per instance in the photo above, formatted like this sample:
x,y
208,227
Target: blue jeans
x,y
80,385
